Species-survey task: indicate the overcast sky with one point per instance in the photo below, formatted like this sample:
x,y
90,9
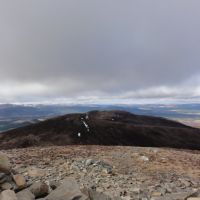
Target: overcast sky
x,y
99,50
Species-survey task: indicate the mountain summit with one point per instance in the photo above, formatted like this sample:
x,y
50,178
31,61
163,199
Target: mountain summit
x,y
104,128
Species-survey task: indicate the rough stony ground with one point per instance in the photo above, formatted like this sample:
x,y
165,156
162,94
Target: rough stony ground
x,y
128,172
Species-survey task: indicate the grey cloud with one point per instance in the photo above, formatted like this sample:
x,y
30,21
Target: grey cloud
x,y
98,48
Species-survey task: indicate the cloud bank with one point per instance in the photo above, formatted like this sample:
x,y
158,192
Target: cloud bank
x,y
93,51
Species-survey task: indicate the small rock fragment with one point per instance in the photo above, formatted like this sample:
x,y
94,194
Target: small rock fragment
x,y
144,158
20,181
39,189
36,172
94,195
5,165
156,194
89,162
6,186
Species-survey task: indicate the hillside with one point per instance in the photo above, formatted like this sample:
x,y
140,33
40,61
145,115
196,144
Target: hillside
x,y
104,128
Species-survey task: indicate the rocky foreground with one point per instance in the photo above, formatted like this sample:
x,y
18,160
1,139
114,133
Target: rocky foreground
x,y
99,173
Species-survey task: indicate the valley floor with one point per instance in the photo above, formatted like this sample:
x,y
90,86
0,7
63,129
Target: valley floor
x,y
128,172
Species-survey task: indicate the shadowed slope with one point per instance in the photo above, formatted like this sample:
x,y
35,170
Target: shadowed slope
x,y
104,128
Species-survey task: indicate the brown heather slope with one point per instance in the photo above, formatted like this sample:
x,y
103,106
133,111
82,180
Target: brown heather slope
x,y
104,128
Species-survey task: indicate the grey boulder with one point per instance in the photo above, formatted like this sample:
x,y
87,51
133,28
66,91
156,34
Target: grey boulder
x,y
39,189
8,195
25,195
69,190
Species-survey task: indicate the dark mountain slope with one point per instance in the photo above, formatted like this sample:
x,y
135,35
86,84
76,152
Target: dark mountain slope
x,y
104,128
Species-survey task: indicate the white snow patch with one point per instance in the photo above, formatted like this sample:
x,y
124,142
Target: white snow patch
x,y
85,124
79,134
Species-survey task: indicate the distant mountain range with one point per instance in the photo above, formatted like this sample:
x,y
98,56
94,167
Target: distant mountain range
x,y
104,128
14,116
